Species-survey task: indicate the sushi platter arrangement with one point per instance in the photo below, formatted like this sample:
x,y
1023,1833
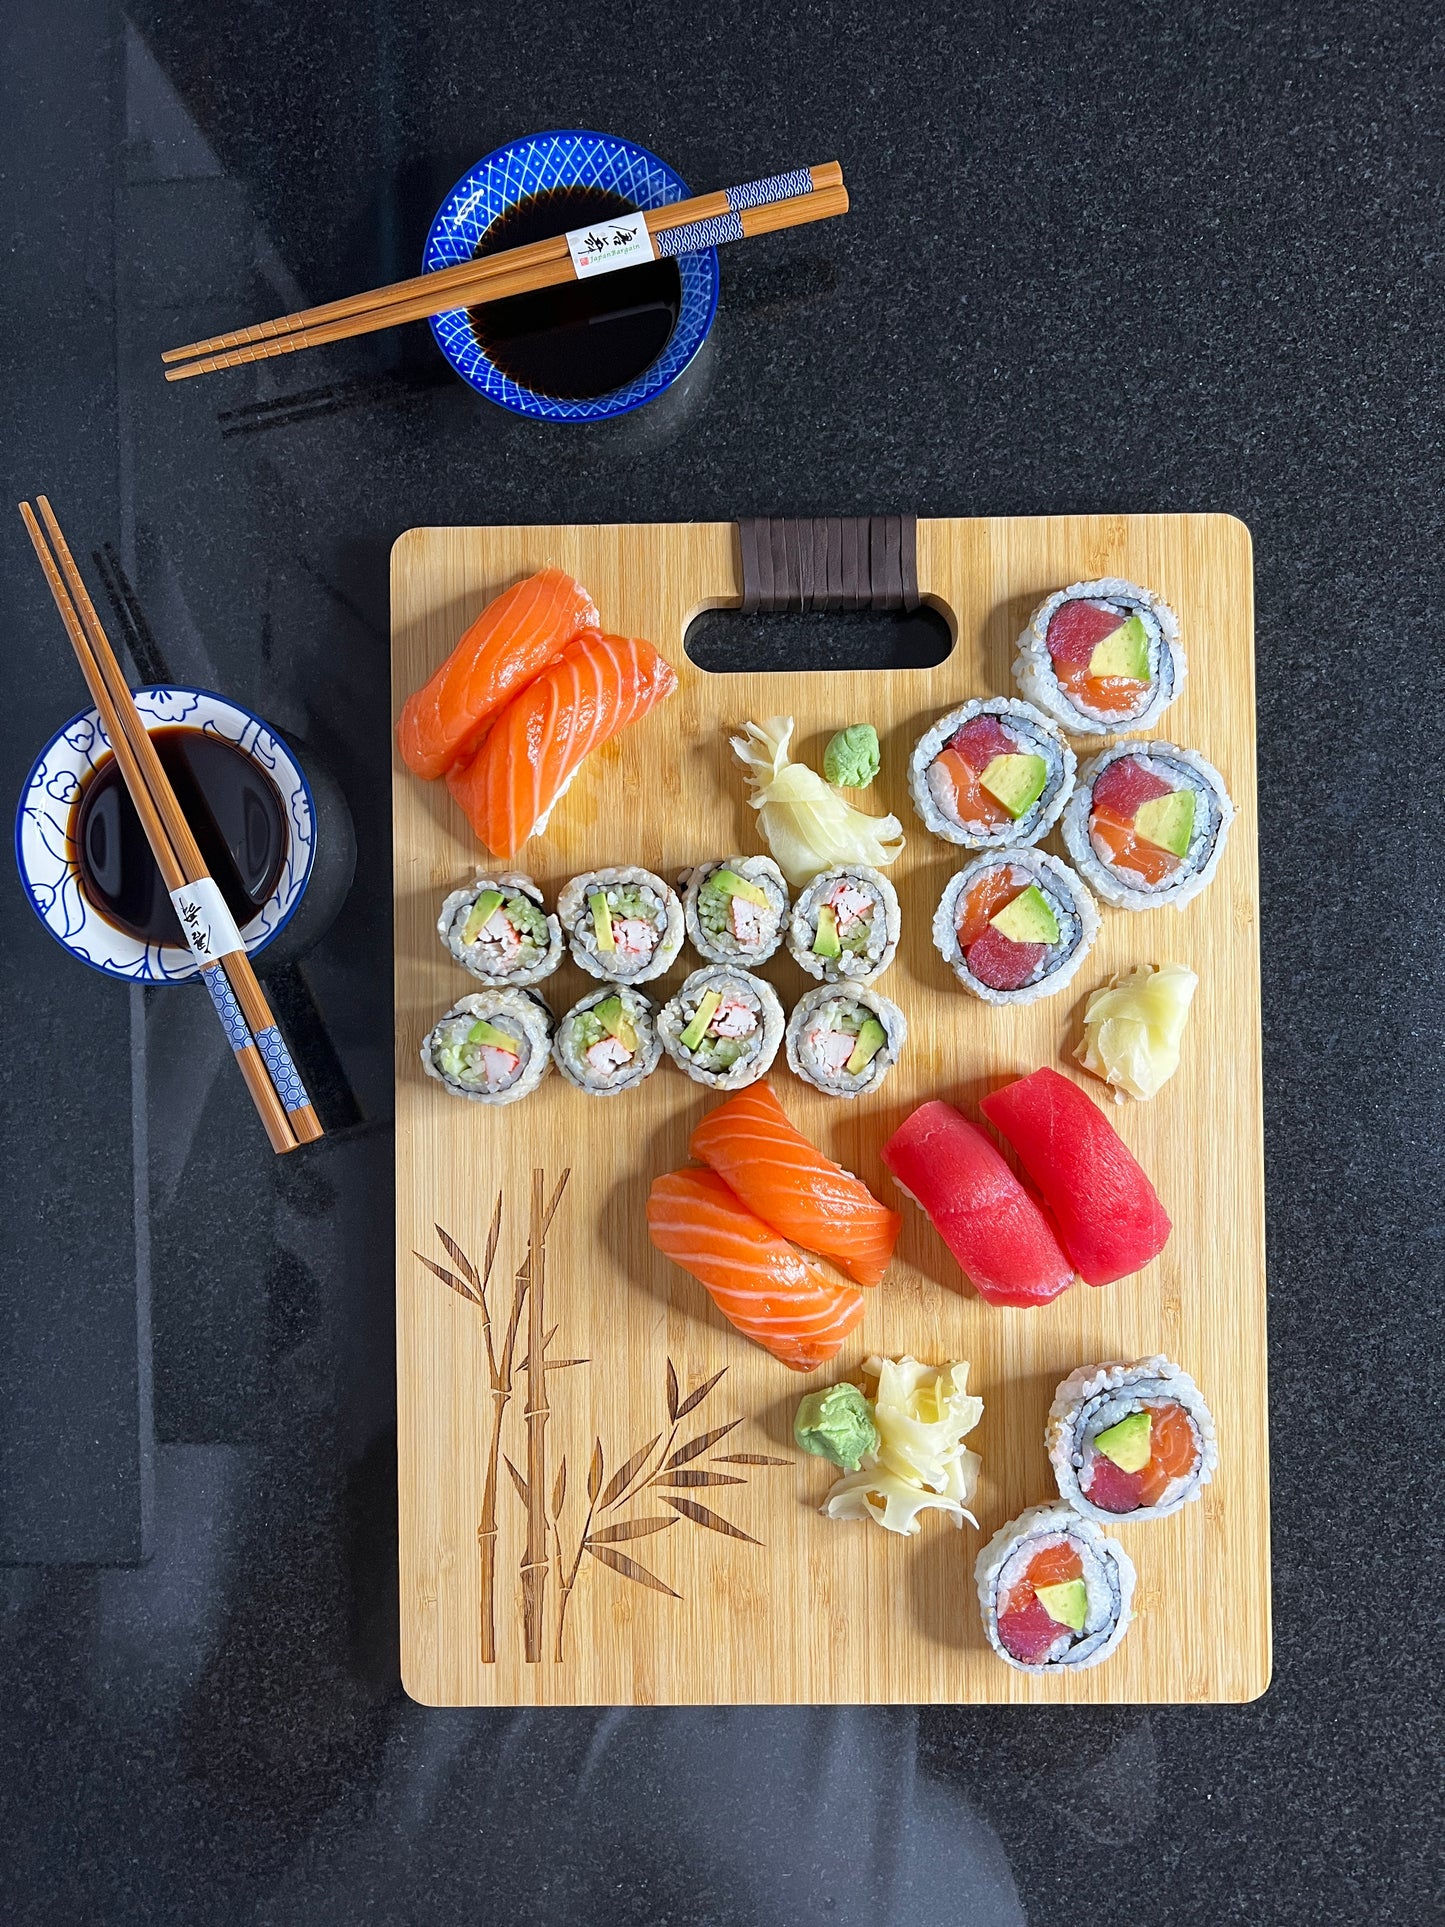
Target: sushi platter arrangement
x,y
829,1170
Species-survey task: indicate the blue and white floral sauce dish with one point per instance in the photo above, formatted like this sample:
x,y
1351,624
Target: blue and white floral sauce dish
x,y
45,820
512,189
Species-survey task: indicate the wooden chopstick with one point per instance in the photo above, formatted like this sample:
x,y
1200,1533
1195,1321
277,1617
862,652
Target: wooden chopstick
x,y
276,1090
497,277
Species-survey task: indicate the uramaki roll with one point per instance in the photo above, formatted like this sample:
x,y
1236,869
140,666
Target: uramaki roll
x,y
1014,926
1130,1441
608,1041
1102,657
498,929
991,774
723,1027
736,910
624,924
844,1039
1054,1592
1147,824
845,925
492,1047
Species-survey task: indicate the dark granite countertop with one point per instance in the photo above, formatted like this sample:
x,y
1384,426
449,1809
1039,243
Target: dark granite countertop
x,y
1143,258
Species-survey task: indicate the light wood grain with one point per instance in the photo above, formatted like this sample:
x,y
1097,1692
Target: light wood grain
x,y
819,1610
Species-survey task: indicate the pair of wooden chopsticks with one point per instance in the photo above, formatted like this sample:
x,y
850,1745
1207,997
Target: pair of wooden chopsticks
x,y
760,207
276,1090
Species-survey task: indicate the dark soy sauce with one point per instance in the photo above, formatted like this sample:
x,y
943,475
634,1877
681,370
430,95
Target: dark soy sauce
x,y
233,810
584,338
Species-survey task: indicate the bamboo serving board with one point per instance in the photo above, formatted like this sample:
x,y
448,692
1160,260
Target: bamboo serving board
x,y
552,1552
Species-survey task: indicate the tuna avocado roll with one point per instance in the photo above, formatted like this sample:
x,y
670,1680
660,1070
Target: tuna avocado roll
x,y
498,929
736,910
1147,824
1015,926
723,1027
844,927
492,1047
1101,657
608,1042
1130,1441
624,925
991,774
844,1041
1053,1591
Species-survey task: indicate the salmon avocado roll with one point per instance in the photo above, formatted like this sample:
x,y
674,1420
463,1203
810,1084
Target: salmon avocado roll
x,y
990,774
1054,1592
624,925
1015,927
1147,824
1130,1441
1101,657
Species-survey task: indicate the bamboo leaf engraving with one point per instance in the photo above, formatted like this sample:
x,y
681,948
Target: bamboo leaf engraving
x,y
625,1474
449,1278
559,1490
748,1458
694,1399
692,1475
517,1480
629,1568
699,1514
671,1393
695,1448
594,1475
460,1259
628,1529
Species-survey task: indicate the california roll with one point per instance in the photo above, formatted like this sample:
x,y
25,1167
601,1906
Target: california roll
x,y
736,911
1130,1441
498,929
608,1042
991,773
1054,1592
492,1047
1102,657
723,1027
623,924
1015,926
845,1040
845,925
1147,824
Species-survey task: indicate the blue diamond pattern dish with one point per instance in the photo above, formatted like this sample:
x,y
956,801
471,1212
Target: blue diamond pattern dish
x,y
574,158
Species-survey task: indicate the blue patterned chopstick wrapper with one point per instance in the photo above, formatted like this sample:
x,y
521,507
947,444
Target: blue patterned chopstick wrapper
x,y
269,1042
693,236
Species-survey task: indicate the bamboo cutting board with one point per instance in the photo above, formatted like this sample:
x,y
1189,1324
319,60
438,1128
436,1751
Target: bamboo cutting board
x,y
575,1565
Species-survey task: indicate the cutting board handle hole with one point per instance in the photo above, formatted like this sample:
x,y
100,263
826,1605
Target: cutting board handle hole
x,y
727,642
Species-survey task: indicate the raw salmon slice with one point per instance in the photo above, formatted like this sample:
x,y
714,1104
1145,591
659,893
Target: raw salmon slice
x,y
597,686
771,1292
955,775
788,1182
1130,852
1173,1451
1110,695
511,641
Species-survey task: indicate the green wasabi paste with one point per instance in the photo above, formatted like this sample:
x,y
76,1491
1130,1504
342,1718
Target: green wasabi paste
x,y
853,758
837,1424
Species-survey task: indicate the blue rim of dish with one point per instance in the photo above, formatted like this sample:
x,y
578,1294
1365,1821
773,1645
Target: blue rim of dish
x,y
189,969
453,236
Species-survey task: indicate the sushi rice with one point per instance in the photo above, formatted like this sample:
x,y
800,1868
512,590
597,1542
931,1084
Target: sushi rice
x,y
517,944
1032,734
823,1031
862,907
498,1069
646,920
1061,889
1038,681
1108,1574
730,929
1213,814
1096,1397
603,1057
741,1037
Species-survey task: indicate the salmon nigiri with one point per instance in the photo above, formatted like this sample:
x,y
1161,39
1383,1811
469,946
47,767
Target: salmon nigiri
x,y
597,686
776,1172
511,641
774,1295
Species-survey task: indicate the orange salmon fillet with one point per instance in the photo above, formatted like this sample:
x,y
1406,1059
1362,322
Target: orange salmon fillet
x,y
776,1172
773,1294
597,686
511,641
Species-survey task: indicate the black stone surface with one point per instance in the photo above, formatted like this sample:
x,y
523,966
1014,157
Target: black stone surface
x,y
1156,257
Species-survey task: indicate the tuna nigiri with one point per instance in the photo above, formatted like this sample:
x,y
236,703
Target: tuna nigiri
x,y
511,641
597,686
773,1294
776,1172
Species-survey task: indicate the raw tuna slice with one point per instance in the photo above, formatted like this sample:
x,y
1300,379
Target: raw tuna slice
x,y
1112,1489
1109,1217
980,740
1077,630
989,1222
1124,785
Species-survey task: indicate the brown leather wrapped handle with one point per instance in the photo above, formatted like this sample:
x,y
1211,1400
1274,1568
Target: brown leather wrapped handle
x,y
829,562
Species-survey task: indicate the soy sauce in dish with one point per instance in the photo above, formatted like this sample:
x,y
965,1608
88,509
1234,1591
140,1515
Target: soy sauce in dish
x,y
583,338
234,812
